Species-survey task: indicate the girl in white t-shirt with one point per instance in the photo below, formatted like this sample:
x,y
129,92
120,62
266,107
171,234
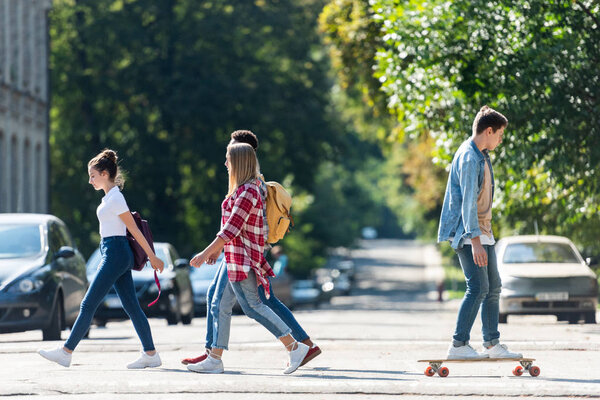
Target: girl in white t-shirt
x,y
115,267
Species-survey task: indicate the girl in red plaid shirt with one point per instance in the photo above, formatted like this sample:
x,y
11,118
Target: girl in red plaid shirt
x,y
242,238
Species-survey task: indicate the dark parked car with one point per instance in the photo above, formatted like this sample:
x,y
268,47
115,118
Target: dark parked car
x,y
545,275
176,300
306,292
42,275
282,281
203,276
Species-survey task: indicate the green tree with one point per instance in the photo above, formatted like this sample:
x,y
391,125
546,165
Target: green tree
x,y
533,60
164,83
536,61
403,176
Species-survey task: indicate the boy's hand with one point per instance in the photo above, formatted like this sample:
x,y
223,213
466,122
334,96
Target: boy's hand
x,y
479,253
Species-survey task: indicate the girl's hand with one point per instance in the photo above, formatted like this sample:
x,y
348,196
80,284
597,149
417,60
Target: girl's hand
x,y
157,263
198,260
213,257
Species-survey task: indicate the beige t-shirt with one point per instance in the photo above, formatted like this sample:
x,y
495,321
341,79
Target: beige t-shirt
x,y
484,209
484,203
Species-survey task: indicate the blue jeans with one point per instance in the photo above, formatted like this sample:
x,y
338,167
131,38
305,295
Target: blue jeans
x,y
220,288
114,269
483,289
246,293
282,312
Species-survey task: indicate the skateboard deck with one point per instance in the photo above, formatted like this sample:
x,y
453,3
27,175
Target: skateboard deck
x,y
435,365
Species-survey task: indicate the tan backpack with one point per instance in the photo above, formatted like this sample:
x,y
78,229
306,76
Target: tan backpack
x,y
279,203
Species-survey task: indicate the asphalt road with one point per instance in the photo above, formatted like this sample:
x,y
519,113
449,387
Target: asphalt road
x,y
371,342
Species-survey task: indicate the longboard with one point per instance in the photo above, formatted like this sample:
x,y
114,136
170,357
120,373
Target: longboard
x,y
435,366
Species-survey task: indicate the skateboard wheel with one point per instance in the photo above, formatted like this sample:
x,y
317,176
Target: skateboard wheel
x,y
429,371
534,371
443,372
518,371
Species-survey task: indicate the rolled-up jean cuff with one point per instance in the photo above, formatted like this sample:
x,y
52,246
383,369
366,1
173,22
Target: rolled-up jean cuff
x,y
220,347
491,343
458,343
288,332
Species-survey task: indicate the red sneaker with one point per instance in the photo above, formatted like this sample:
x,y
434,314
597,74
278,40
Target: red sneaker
x,y
195,360
312,353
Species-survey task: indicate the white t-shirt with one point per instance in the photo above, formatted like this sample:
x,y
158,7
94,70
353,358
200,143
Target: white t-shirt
x,y
112,205
484,239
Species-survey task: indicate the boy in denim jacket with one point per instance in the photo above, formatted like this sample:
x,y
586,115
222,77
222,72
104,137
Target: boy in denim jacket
x,y
466,222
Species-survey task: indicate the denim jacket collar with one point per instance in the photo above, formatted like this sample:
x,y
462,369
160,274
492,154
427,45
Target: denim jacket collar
x,y
477,151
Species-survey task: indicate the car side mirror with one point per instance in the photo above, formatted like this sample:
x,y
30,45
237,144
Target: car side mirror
x,y
591,262
182,263
64,252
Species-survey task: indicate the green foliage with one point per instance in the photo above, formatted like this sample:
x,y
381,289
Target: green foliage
x,y
164,83
536,61
403,177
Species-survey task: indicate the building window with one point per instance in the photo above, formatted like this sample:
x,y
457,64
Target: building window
x,y
2,172
3,38
26,167
13,189
38,164
13,42
26,49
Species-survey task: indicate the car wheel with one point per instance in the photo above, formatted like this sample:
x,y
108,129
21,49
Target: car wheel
x,y
172,319
53,331
503,318
174,315
100,323
574,318
87,333
590,317
187,319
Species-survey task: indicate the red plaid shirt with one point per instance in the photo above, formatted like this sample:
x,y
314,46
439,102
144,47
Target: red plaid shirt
x,y
242,229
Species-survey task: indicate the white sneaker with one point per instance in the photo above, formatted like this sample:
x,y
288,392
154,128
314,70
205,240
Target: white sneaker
x,y
296,357
501,351
210,365
465,352
145,361
58,355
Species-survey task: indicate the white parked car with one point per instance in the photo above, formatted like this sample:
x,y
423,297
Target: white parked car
x,y
545,275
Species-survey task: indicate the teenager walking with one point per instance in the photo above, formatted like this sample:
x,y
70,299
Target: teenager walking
x,y
242,238
466,221
220,287
115,268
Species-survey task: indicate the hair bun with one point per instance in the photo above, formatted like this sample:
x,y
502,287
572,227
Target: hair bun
x,y
109,154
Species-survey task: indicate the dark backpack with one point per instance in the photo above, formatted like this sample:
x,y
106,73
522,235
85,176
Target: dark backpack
x,y
139,255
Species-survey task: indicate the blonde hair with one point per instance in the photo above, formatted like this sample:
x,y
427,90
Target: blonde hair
x,y
243,165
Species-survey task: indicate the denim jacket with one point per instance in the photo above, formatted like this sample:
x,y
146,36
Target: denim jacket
x,y
459,213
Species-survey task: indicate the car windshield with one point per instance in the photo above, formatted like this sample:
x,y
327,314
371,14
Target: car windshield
x,y
161,252
206,271
19,240
518,253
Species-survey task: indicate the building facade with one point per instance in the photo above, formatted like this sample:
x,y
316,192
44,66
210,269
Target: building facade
x,y
24,106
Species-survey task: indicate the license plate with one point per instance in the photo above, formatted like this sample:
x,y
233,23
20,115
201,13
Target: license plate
x,y
112,302
550,296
